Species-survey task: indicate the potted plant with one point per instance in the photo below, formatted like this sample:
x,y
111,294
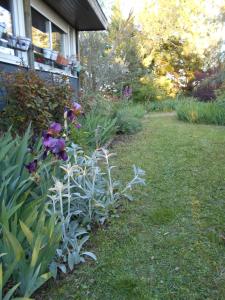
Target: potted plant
x,y
38,57
2,28
23,43
61,60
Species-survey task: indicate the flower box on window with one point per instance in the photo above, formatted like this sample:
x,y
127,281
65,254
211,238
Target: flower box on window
x,y
23,43
61,60
19,43
38,57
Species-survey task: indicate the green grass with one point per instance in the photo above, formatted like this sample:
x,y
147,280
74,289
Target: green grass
x,y
167,244
198,112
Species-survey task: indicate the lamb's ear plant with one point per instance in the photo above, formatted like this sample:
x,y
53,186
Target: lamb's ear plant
x,y
82,197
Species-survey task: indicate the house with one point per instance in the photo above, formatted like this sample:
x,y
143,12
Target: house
x,y
44,34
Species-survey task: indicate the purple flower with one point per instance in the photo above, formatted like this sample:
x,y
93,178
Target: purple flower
x,y
55,146
70,115
77,108
58,146
54,129
127,92
78,125
49,142
63,155
32,166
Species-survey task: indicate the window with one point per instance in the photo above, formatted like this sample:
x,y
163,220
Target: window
x,y
46,34
6,15
5,25
40,30
12,32
57,39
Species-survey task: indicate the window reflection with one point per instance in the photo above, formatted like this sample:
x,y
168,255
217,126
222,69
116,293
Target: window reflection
x,y
40,30
5,15
57,39
5,26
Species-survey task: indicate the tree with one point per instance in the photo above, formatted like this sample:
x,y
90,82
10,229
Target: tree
x,y
176,36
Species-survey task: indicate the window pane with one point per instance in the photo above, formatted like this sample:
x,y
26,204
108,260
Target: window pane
x,y
40,30
57,39
5,26
5,15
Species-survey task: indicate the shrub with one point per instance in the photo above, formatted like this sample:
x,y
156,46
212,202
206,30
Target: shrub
x,y
145,93
128,119
32,99
197,112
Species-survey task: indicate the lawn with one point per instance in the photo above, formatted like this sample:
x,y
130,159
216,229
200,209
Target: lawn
x,y
170,242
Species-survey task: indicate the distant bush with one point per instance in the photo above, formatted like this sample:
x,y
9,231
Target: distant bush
x,y
145,93
129,118
33,99
162,106
198,112
206,84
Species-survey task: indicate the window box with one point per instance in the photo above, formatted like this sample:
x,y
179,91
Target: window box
x,y
39,58
23,43
61,60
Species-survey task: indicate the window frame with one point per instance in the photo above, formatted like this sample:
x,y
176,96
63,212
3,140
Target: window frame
x,y
18,26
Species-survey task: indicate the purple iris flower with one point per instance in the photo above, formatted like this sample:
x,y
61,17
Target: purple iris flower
x,y
32,166
78,125
57,146
63,155
49,142
54,128
77,107
70,115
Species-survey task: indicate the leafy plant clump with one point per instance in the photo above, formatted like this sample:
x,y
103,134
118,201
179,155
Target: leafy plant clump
x,y
198,112
52,194
129,118
28,237
99,128
32,99
84,196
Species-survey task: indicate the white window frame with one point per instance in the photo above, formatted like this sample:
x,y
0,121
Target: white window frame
x,y
18,30
69,37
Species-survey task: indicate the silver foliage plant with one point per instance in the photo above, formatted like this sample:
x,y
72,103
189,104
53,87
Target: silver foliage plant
x,y
85,195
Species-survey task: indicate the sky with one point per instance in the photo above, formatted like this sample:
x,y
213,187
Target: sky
x,y
137,6
134,5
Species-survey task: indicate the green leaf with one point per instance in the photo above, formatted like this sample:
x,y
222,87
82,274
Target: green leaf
x,y
11,292
27,232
